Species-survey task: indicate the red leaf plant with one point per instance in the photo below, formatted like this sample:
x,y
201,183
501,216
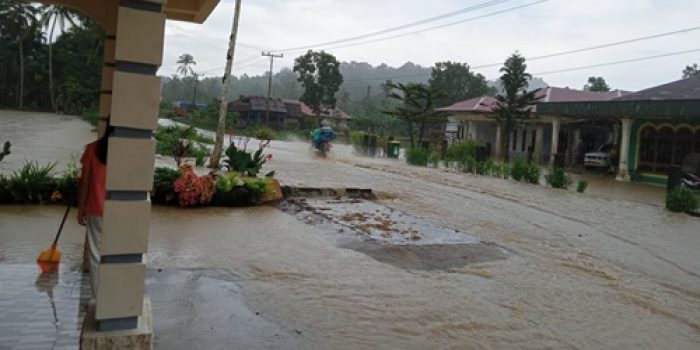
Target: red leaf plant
x,y
193,189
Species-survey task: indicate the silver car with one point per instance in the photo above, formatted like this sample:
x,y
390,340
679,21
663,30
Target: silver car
x,y
599,158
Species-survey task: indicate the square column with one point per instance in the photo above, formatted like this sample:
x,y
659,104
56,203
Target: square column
x,y
539,141
471,130
498,151
623,173
555,140
131,95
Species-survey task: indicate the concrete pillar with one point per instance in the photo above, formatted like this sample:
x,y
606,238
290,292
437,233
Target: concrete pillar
x,y
616,134
623,172
110,28
574,142
498,152
539,142
555,140
471,130
120,304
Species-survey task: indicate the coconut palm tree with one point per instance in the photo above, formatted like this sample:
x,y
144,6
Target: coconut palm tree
x,y
185,61
18,19
51,15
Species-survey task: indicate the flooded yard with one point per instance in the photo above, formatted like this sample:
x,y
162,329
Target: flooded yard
x,y
438,260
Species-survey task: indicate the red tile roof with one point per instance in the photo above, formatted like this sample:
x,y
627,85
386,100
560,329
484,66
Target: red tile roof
x,y
485,104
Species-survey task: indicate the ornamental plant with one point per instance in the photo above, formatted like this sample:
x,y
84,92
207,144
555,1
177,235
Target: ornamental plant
x,y
192,189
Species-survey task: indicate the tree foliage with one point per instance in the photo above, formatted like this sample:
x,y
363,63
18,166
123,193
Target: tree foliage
x,y
691,71
596,84
73,71
416,108
514,106
185,63
320,76
457,83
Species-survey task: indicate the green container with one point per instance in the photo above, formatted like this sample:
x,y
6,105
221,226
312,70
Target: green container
x,y
393,149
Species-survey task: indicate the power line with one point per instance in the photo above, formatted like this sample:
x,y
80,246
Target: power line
x,y
404,26
510,9
300,50
557,54
618,62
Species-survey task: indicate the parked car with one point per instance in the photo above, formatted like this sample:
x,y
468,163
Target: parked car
x,y
599,158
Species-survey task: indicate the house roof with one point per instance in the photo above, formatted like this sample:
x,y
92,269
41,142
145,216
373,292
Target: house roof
x,y
684,89
293,108
485,104
257,104
678,100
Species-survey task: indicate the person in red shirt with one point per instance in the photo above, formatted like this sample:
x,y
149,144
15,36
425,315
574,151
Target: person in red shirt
x,y
92,198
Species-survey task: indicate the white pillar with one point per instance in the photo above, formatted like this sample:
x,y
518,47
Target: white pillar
x,y
471,130
498,154
623,173
555,140
539,141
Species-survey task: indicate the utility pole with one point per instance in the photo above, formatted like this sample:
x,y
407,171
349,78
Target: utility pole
x,y
269,83
196,82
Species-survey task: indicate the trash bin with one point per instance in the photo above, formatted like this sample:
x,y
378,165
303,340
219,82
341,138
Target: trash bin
x,y
393,149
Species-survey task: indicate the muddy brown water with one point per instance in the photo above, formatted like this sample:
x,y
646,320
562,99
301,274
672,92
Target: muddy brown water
x,y
592,271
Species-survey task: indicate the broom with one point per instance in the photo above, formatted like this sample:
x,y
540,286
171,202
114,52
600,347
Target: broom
x,y
52,255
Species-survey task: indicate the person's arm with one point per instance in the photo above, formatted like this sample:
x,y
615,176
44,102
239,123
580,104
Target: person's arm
x,y
83,192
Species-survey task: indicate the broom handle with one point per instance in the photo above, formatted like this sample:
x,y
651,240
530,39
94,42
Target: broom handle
x,y
60,228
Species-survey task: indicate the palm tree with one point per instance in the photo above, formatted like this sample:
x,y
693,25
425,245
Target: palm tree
x,y
20,19
50,16
223,101
515,105
185,61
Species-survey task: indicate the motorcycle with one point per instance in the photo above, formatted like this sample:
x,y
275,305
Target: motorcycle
x,y
690,181
323,148
690,170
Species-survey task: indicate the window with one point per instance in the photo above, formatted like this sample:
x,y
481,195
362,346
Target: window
x,y
659,148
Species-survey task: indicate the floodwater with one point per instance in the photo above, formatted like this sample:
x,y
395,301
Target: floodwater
x,y
581,271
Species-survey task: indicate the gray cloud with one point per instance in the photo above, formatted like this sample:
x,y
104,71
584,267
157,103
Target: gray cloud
x,y
552,26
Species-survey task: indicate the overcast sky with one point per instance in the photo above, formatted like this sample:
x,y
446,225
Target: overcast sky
x,y
547,27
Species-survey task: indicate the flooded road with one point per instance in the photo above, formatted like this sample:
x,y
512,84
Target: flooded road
x,y
582,271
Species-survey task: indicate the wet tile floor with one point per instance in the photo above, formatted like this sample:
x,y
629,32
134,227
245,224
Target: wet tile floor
x,y
41,311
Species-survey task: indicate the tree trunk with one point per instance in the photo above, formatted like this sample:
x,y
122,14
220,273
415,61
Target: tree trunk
x,y
21,73
410,133
223,106
53,100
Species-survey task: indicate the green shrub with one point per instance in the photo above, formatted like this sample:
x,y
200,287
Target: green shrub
x,y
243,162
462,150
532,174
581,186
417,156
558,178
163,185
5,195
91,116
264,133
32,183
519,170
433,159
68,184
681,200
225,183
257,188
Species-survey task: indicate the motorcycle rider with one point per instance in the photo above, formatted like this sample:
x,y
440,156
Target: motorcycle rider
x,y
322,134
